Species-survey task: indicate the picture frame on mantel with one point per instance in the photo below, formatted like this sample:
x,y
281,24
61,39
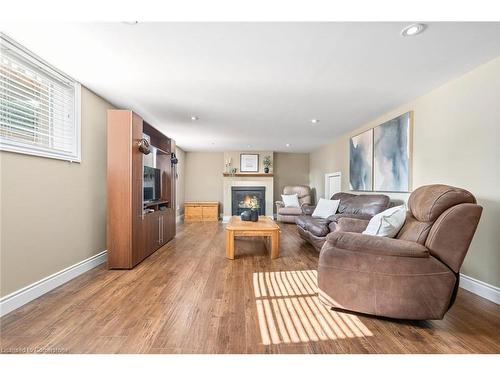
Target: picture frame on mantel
x,y
249,162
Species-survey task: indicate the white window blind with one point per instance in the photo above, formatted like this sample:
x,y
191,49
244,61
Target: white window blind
x,y
39,106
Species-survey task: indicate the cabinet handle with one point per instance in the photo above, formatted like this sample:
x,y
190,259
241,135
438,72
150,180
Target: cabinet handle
x,y
159,229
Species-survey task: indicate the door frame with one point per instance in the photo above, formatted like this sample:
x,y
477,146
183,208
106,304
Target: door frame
x,y
327,176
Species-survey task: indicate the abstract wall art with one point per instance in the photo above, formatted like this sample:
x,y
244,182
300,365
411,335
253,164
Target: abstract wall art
x,y
361,161
391,155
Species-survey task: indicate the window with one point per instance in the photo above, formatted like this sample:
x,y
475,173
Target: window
x,y
39,106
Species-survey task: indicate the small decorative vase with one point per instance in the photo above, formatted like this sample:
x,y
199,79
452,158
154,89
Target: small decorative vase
x,y
246,215
254,214
266,170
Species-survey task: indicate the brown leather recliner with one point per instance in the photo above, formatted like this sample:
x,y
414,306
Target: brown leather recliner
x,y
412,276
289,214
358,208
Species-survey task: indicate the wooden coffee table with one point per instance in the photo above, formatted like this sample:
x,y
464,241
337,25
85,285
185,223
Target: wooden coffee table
x,y
265,227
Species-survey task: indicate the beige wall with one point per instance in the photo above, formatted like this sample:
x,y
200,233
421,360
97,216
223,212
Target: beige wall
x,y
54,212
181,180
289,169
203,181
456,141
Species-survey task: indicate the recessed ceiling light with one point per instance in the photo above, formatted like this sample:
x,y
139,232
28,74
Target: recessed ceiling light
x,y
287,145
130,22
314,120
249,146
414,29
194,118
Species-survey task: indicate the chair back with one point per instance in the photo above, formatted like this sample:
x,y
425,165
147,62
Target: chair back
x,y
444,219
303,192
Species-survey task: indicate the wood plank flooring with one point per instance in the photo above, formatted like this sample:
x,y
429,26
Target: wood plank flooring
x,y
187,298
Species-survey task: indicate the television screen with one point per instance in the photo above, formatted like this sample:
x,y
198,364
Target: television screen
x,y
152,184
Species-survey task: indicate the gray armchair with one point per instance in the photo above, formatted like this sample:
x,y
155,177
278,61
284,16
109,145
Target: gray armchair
x,y
289,214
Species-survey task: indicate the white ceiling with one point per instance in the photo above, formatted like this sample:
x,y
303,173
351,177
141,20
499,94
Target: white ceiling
x,y
259,84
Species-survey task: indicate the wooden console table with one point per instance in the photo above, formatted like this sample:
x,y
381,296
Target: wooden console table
x,y
265,227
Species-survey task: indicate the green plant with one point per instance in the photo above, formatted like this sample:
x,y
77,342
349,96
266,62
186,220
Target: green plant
x,y
267,161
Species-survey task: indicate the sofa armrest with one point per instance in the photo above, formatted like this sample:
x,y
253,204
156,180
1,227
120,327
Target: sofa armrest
x,y
350,224
337,217
279,204
376,245
308,209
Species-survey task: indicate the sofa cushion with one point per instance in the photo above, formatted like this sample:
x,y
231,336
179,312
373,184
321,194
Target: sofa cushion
x,y
326,208
364,204
290,200
387,223
316,226
290,211
302,220
348,224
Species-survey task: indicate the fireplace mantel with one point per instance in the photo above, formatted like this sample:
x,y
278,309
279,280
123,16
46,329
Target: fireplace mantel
x,y
248,175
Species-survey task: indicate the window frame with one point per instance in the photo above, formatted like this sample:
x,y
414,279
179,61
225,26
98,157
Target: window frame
x,y
20,147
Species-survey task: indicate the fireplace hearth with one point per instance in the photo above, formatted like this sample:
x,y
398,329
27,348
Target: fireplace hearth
x,y
244,197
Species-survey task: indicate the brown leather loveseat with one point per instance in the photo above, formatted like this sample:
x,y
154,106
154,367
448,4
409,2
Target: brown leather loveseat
x,y
353,215
412,276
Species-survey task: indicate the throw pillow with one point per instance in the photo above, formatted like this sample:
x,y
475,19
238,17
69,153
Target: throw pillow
x,y
325,208
387,223
291,200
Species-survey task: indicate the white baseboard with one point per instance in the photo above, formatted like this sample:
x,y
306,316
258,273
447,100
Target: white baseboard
x,y
480,288
27,294
179,218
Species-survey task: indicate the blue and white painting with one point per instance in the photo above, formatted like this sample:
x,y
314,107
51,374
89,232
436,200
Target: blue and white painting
x,y
391,155
361,161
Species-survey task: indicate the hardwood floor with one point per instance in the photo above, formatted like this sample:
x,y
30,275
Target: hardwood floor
x,y
188,298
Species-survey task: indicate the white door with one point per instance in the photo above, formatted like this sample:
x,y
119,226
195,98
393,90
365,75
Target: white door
x,y
333,184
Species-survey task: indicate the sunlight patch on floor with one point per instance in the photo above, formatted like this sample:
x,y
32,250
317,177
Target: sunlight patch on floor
x,y
289,310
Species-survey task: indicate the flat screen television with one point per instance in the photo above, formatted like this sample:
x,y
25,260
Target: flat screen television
x,y
152,184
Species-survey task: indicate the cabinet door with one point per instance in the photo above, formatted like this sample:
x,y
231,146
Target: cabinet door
x,y
169,225
156,230
146,236
151,233
164,227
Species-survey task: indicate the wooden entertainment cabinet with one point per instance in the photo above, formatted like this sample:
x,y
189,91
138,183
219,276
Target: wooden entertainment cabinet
x,y
136,229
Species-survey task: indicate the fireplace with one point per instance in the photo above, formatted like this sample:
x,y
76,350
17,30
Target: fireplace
x,y
243,197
